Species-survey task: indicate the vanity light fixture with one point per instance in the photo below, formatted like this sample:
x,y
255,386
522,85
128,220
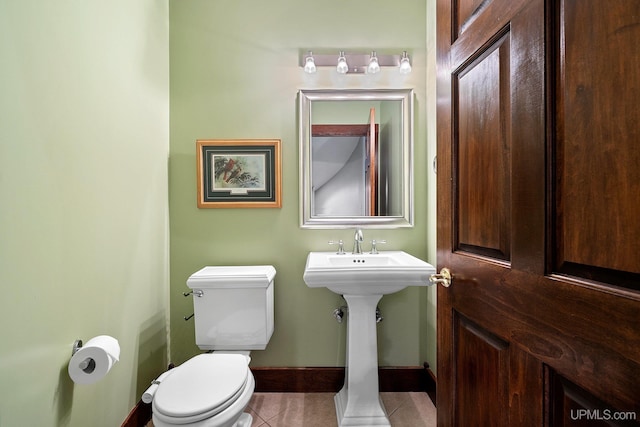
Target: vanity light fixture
x,y
342,67
405,64
354,62
309,64
373,66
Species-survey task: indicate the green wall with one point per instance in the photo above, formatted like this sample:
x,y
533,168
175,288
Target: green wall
x,y
84,141
235,74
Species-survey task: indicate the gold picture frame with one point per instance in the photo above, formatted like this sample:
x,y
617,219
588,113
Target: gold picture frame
x,y
239,173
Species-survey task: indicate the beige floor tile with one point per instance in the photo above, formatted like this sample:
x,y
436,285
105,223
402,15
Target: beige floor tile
x,y
257,420
393,401
295,409
416,410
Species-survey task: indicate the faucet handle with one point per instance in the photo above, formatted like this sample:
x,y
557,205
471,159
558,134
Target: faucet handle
x,y
374,243
340,244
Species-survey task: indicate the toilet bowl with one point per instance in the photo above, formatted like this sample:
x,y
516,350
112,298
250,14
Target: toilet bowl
x,y
208,390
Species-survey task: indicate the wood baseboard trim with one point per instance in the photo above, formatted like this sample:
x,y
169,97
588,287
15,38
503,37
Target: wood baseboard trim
x,y
431,383
331,379
139,416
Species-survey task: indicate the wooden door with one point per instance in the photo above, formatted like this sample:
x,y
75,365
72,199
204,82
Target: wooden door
x,y
539,212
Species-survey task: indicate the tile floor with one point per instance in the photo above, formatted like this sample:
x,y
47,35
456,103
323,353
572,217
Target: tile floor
x,y
317,410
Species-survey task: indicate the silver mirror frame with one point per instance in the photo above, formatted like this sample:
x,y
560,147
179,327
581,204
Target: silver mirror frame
x,y
305,98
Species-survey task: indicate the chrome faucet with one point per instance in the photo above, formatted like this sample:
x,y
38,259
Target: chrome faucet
x,y
357,241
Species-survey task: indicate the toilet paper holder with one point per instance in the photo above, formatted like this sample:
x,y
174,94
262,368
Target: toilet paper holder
x,y
76,346
88,364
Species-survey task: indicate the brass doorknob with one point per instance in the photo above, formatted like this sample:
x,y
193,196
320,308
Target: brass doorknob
x,y
444,278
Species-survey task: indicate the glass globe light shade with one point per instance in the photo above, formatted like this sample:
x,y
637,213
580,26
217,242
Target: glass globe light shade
x,y
342,67
405,65
373,66
310,65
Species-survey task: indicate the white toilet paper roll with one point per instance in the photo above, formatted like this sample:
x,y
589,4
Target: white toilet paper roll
x,y
94,360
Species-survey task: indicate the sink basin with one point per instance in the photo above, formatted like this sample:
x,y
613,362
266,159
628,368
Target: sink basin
x,y
365,274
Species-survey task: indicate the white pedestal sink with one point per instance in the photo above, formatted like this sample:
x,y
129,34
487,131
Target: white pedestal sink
x,y
362,279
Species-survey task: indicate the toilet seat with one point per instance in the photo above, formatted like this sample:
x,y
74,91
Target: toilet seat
x,y
201,387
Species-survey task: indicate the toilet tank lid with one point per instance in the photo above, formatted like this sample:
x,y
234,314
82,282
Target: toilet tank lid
x,y
248,276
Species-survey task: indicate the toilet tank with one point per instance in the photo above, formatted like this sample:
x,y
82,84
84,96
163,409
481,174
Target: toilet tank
x,y
233,306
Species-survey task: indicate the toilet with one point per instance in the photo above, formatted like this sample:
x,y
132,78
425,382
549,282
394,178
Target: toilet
x,y
233,313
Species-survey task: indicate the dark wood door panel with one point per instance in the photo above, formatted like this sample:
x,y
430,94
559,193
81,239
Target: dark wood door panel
x,y
482,374
466,11
483,145
570,405
514,93
598,159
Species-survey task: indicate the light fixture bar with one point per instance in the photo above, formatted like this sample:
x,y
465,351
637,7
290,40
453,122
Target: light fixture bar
x,y
357,61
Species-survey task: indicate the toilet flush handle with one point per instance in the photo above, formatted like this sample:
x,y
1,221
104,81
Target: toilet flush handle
x,y
197,292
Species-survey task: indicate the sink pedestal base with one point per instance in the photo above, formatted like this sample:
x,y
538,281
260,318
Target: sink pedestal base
x,y
358,402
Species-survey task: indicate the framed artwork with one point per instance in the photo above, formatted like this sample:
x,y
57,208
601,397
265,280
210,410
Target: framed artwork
x,y
239,173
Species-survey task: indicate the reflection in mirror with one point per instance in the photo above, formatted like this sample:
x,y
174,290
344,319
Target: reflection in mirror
x,y
344,172
355,158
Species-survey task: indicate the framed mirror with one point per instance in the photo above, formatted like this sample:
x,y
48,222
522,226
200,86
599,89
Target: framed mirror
x,y
356,165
